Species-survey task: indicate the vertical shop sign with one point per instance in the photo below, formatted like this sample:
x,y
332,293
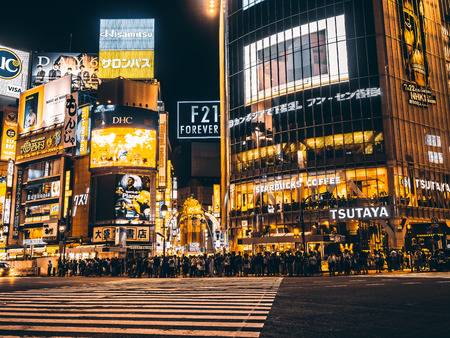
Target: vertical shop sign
x,y
162,150
17,203
70,121
67,194
216,196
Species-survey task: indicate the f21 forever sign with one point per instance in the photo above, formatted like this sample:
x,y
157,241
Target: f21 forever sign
x,y
198,119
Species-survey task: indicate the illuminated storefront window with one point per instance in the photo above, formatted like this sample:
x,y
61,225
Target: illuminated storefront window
x,y
311,191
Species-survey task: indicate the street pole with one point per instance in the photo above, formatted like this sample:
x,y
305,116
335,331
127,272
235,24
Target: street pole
x,y
164,239
163,211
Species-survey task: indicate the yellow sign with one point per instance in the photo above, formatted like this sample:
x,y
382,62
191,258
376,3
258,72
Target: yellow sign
x,y
8,150
39,145
130,64
67,193
134,234
216,197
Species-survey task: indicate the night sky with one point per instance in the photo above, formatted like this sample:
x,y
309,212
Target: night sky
x,y
186,39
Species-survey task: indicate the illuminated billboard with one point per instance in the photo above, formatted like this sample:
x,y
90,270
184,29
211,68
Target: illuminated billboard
x,y
83,68
198,119
124,137
306,56
126,48
14,67
43,106
127,34
130,64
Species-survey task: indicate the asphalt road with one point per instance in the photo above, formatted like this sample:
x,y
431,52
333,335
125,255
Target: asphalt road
x,y
390,305
387,305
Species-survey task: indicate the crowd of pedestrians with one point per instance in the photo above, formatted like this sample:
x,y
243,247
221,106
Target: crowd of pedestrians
x,y
241,265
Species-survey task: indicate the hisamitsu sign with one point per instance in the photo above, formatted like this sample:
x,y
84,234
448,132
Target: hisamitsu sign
x,y
198,119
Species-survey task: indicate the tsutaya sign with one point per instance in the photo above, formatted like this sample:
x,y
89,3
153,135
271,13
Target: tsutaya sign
x,y
360,213
314,182
426,184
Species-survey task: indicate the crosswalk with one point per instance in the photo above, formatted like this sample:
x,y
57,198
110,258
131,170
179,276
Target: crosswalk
x,y
218,307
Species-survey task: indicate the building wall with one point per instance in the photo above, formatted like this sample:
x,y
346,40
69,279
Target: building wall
x,y
324,116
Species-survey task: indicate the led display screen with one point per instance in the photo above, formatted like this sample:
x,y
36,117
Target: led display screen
x,y
123,136
132,200
305,56
123,147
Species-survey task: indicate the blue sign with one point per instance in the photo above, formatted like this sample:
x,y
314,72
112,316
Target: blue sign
x,y
127,34
10,64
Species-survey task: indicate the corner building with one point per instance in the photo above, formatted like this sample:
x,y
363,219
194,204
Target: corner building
x,y
337,124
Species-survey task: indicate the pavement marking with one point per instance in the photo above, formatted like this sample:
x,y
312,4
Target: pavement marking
x,y
128,331
215,308
375,284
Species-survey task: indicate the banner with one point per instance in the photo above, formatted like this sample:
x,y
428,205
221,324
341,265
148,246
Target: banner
x,y
216,199
43,106
82,68
8,149
162,173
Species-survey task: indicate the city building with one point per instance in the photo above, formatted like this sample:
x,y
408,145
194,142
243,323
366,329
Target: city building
x,y
336,115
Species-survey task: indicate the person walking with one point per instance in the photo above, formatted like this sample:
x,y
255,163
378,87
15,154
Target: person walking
x,y
49,268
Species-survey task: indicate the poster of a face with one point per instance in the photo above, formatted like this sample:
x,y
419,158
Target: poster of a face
x,y
132,198
414,35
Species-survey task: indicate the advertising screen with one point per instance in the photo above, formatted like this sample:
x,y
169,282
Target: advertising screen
x,y
123,147
305,56
83,67
14,68
132,198
126,48
124,137
43,106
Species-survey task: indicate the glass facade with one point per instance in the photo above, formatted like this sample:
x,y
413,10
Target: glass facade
x,y
324,113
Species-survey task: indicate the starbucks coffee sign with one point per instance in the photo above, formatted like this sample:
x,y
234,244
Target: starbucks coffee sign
x,y
375,212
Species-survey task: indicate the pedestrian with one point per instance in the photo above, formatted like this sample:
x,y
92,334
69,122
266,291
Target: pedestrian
x,y
331,263
49,268
211,266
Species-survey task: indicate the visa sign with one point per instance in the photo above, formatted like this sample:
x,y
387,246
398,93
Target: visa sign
x,y
10,64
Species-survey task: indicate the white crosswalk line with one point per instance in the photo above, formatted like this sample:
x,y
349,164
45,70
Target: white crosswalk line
x,y
214,308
